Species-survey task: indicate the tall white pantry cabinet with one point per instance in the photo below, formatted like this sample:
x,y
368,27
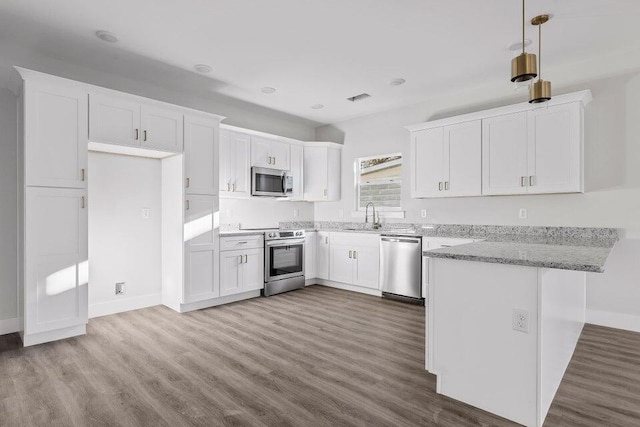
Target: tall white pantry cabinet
x,y
57,118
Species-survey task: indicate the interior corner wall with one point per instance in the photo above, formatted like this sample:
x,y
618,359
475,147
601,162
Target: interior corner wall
x,y
123,245
8,212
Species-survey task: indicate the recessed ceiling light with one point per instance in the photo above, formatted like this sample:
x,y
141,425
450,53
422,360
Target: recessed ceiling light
x,y
397,82
203,68
268,89
518,45
317,106
106,36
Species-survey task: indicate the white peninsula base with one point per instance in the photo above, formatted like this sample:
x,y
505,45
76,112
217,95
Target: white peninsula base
x,y
474,347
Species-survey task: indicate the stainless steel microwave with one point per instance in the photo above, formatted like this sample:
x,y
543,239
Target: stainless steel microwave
x,y
271,182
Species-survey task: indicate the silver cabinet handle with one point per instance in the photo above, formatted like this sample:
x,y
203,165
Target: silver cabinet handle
x,y
531,181
187,203
274,160
137,136
188,182
355,254
326,240
446,185
240,258
350,253
228,186
522,181
269,160
246,259
144,133
82,174
233,187
440,186
82,202
325,192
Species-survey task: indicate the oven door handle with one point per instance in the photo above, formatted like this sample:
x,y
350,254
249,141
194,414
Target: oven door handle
x,y
290,242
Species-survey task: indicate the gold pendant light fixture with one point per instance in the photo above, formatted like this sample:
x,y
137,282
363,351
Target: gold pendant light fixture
x,y
540,91
523,66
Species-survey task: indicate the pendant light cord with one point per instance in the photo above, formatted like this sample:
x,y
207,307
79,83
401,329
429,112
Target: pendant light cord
x,y
523,26
539,52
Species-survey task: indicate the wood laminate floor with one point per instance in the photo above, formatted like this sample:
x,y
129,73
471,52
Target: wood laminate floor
x,y
313,357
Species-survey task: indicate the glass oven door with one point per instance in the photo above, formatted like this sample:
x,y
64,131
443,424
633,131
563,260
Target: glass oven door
x,y
285,258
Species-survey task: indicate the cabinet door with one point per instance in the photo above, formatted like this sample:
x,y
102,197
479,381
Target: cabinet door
x,y
253,270
227,162
280,155
201,155
310,255
342,264
463,159
367,266
241,185
55,135
555,149
161,128
230,278
322,255
114,119
56,263
297,167
234,164
427,167
315,173
261,152
504,154
201,243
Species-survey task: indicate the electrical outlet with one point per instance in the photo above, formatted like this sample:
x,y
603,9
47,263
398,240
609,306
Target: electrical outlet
x,y
146,213
522,214
120,288
423,213
520,321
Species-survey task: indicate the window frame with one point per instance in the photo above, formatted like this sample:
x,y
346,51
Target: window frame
x,y
356,181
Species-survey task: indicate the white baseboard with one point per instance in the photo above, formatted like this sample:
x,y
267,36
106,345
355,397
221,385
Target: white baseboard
x,y
124,304
8,326
58,334
184,308
347,287
610,319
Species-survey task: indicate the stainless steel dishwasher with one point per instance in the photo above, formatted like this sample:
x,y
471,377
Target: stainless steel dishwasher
x,y
401,266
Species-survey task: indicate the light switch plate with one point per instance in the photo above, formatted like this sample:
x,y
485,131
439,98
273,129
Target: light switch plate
x,y
423,213
146,213
522,213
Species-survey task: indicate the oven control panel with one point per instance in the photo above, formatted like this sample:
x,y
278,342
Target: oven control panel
x,y
284,234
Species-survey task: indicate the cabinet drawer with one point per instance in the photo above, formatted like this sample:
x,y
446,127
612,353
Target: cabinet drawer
x,y
241,242
355,239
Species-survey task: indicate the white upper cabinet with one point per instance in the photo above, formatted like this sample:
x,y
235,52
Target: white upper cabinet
x,y
297,167
201,155
504,157
235,167
55,135
161,128
269,153
114,119
447,161
322,172
126,120
555,149
517,149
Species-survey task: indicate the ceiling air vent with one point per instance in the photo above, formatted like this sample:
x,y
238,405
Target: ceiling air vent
x,y
359,97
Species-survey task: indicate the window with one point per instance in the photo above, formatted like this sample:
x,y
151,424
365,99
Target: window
x,y
379,180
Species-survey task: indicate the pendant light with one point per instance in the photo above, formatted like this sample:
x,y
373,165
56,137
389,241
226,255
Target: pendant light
x,y
540,91
523,66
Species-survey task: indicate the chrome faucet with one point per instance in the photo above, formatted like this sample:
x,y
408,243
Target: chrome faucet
x,y
375,223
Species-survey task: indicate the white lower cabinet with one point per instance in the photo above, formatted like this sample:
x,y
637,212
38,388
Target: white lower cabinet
x,y
56,263
355,259
310,255
241,270
322,255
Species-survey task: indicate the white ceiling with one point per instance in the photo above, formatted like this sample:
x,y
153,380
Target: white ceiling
x,y
322,51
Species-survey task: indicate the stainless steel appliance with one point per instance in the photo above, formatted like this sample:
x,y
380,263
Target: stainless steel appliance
x,y
283,261
401,266
271,182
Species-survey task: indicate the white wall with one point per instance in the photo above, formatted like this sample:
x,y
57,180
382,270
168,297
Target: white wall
x,y
8,209
123,246
262,213
612,178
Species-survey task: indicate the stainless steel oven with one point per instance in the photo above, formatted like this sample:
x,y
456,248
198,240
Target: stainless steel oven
x,y
271,182
284,261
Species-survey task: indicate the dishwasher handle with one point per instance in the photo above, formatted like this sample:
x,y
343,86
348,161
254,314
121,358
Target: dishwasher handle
x,y
400,240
